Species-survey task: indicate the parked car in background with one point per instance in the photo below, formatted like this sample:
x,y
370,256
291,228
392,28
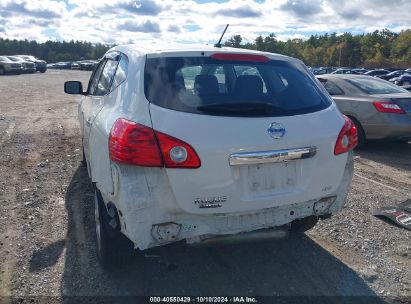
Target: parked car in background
x,y
358,71
378,108
66,65
393,74
8,66
407,87
87,65
190,144
404,79
324,70
75,65
29,67
377,72
41,65
344,71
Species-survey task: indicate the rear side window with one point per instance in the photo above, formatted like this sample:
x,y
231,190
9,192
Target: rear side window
x,y
106,78
331,87
376,86
204,85
121,73
95,77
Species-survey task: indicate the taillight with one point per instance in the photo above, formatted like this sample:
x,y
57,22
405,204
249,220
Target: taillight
x,y
240,57
177,153
347,139
136,144
388,107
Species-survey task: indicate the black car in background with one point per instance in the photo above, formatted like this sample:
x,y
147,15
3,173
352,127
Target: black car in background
x,y
41,65
344,71
87,65
403,80
391,75
407,87
359,71
376,72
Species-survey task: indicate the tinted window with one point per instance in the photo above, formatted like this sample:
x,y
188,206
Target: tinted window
x,y
208,86
249,70
331,87
375,86
121,73
95,77
106,78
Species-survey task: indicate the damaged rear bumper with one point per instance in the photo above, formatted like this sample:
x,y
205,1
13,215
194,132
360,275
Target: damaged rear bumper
x,y
142,225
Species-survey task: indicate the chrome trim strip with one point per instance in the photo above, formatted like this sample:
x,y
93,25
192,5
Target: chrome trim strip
x,y
276,156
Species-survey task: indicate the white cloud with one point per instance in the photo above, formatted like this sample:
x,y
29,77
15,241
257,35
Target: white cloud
x,y
124,21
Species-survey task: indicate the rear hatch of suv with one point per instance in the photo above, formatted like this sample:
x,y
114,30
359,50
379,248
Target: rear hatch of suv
x,y
262,128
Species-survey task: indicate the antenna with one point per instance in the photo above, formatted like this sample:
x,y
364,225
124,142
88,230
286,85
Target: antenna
x,y
218,44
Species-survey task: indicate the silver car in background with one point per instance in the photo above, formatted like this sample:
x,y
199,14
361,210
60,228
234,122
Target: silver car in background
x,y
10,67
378,108
29,67
41,65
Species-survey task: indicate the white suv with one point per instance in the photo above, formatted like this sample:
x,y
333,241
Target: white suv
x,y
198,143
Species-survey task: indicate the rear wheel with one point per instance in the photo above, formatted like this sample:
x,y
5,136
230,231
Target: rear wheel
x,y
113,248
83,160
360,132
2,72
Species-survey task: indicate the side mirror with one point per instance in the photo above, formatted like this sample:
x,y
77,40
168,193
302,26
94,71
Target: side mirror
x,y
73,87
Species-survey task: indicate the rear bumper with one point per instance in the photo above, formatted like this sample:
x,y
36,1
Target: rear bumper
x,y
149,222
392,126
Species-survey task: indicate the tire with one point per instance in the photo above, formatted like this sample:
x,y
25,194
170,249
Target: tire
x,y
2,72
304,224
360,131
83,162
113,248
405,83
42,71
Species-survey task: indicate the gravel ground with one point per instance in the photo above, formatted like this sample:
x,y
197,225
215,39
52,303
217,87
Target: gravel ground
x,y
46,222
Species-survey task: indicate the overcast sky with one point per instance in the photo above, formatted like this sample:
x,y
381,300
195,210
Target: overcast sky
x,y
200,21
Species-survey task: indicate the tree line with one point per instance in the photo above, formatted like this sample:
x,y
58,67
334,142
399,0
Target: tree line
x,y
54,51
381,48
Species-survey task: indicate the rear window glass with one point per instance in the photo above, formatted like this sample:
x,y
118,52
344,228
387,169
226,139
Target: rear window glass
x,y
204,85
376,86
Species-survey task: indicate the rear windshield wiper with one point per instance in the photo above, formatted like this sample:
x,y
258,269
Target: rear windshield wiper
x,y
237,107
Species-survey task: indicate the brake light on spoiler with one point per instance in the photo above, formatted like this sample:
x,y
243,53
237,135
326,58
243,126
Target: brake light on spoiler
x,y
240,57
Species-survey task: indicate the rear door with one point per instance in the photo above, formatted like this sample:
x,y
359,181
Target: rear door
x,y
87,105
100,87
264,132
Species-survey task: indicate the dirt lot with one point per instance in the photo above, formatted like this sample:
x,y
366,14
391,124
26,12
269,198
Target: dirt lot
x,y
47,225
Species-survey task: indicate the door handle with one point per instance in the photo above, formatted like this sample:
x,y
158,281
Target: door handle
x,y
276,156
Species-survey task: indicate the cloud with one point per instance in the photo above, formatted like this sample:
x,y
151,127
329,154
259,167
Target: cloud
x,y
240,12
39,9
302,8
143,27
188,21
174,28
142,7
